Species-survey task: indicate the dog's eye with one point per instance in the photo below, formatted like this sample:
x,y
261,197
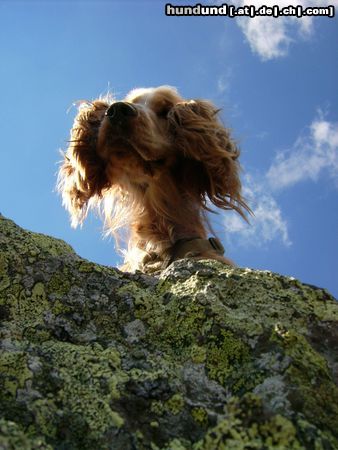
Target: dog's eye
x,y
162,109
163,113
94,121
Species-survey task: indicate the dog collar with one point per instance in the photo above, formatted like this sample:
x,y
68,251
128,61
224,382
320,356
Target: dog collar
x,y
183,248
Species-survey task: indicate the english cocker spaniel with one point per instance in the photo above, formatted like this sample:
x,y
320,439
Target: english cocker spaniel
x,y
153,164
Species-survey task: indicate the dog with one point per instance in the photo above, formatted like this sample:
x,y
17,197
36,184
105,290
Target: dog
x,y
153,164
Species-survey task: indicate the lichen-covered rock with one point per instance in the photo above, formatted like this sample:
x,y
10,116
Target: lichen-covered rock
x,y
200,356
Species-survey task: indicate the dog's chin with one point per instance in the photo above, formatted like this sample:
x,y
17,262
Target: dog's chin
x,y
125,166
114,146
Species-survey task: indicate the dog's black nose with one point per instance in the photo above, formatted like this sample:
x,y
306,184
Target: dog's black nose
x,y
121,111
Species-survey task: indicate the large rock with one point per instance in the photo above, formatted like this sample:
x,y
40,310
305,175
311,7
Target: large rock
x,y
201,356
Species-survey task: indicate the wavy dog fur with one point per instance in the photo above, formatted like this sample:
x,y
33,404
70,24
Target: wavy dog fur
x,y
152,164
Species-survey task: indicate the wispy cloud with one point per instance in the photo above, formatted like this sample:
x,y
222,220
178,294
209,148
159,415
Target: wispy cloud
x,y
271,37
310,157
266,225
223,82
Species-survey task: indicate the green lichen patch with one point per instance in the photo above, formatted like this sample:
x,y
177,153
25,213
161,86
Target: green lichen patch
x,y
14,373
316,392
245,426
28,244
36,302
4,279
85,383
59,283
13,437
88,267
227,356
175,404
179,325
200,415
26,307
49,245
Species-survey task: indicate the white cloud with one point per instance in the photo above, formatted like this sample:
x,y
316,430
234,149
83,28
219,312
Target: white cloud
x,y
271,37
266,225
309,158
312,156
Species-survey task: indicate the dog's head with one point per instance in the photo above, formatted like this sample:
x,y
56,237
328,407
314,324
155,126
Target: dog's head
x,y
151,137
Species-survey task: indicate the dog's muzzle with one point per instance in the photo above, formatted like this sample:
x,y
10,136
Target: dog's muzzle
x,y
120,112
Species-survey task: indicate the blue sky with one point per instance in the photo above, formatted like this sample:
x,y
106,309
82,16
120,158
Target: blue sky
x,y
274,78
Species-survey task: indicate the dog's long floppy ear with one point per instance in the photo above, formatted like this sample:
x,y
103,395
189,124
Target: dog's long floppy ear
x,y
200,136
81,177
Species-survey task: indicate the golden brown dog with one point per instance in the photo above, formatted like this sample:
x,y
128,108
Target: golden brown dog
x,y
153,164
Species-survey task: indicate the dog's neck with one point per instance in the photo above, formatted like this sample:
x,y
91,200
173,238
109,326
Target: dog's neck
x,y
164,216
